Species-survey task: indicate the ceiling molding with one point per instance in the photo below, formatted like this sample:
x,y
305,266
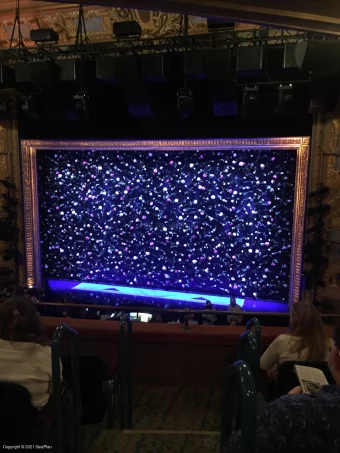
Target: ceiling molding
x,y
28,7
311,15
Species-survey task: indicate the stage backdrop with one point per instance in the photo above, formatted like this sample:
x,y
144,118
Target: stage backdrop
x,y
216,218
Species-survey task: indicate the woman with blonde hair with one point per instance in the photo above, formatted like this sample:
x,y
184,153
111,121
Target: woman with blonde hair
x,y
306,340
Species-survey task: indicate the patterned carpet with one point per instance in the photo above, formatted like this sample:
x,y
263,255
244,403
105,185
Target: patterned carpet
x,y
165,420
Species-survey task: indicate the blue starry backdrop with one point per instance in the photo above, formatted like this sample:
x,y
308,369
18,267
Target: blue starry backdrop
x,y
210,221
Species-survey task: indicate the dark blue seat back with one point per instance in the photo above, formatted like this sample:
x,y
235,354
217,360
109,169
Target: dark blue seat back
x,y
18,417
92,373
248,351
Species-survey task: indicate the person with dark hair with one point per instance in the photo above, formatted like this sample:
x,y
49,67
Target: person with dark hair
x,y
300,423
25,356
306,340
209,319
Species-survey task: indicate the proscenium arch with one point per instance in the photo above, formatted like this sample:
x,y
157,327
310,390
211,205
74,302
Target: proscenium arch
x,y
31,202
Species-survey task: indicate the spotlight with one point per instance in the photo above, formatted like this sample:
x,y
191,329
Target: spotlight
x,y
44,35
81,105
250,100
184,103
28,105
285,102
129,29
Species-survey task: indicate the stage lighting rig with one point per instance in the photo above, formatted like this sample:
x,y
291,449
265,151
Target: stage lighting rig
x,y
81,105
28,105
184,102
250,99
285,102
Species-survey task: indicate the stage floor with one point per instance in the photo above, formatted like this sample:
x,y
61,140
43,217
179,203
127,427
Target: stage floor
x,y
126,295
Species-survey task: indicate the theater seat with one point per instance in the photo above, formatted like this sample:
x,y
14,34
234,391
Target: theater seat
x,y
98,388
20,422
287,379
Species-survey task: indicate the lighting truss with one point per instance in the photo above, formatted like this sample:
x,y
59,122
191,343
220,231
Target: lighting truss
x,y
229,39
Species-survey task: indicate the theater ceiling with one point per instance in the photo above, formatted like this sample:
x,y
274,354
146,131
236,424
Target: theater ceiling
x,y
313,15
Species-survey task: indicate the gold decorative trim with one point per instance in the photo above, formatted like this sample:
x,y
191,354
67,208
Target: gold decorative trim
x,y
30,191
31,216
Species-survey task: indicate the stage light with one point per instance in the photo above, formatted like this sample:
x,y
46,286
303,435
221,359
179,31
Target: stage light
x,y
44,35
184,102
27,103
250,100
81,105
129,29
285,102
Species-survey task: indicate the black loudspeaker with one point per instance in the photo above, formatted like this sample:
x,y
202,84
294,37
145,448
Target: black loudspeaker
x,y
319,56
137,100
153,68
40,73
289,61
73,70
7,76
196,65
249,59
105,69
127,29
214,25
118,69
219,65
44,35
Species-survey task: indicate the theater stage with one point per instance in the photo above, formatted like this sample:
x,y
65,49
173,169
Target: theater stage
x,y
127,295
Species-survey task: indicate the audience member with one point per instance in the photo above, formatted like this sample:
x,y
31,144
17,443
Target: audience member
x,y
300,423
24,354
234,320
306,340
157,318
209,319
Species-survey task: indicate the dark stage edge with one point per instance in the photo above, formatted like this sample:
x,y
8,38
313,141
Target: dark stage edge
x,y
126,295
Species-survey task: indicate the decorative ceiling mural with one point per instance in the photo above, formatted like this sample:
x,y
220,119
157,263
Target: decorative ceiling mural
x,y
63,19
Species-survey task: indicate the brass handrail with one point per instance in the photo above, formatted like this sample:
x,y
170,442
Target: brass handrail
x,y
144,309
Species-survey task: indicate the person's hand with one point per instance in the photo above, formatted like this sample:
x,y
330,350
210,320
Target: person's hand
x,y
295,391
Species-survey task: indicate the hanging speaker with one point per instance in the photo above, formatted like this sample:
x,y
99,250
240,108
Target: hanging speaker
x,y
319,56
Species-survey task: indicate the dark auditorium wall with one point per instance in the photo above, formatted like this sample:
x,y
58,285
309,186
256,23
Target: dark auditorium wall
x,y
325,168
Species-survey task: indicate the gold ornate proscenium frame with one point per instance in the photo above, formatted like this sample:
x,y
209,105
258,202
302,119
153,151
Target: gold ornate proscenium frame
x,y
30,189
